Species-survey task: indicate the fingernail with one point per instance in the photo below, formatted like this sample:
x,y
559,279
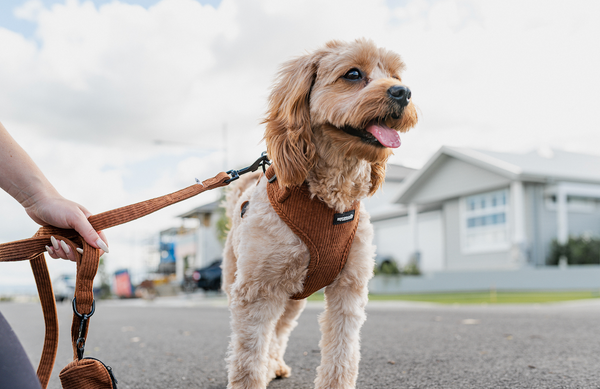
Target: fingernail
x,y
49,250
80,251
54,243
102,245
65,247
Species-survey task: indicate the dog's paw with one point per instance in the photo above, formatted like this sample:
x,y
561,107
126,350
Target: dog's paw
x,y
283,371
278,369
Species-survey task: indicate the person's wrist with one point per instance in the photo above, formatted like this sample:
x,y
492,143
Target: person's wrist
x,y
36,192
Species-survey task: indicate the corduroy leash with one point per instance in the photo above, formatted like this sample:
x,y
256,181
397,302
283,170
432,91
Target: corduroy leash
x,y
88,373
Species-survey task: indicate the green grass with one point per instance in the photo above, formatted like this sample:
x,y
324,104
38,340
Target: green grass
x,y
487,297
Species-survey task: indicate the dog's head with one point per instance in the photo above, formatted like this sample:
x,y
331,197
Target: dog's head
x,y
350,97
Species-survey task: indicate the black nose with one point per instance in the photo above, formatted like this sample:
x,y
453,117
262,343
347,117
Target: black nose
x,y
400,94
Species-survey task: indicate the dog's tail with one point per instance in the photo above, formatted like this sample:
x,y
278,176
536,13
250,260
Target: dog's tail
x,y
236,189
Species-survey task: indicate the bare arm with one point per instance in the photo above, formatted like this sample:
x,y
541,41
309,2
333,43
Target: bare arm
x,y
22,179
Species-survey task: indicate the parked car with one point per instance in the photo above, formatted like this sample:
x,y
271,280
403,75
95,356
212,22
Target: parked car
x,y
64,287
209,277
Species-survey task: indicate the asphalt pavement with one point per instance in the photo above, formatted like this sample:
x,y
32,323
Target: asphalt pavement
x,y
181,343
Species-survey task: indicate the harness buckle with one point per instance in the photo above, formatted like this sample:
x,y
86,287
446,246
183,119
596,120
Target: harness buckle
x,y
262,161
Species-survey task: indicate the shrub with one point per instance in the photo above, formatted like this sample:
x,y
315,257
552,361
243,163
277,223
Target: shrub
x,y
411,268
389,266
581,250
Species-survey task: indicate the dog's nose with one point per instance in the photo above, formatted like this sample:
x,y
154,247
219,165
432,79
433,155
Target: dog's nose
x,y
400,94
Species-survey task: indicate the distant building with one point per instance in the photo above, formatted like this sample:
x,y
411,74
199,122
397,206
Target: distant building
x,y
191,248
480,210
210,248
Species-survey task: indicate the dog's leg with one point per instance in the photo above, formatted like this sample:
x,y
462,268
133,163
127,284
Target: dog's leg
x,y
253,320
340,327
287,322
229,267
345,301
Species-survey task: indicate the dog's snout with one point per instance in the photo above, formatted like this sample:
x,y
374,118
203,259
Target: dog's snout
x,y
400,94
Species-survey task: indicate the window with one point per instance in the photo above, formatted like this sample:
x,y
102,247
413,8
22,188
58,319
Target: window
x,y
484,221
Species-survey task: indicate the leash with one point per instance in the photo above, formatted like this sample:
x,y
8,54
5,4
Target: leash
x,y
33,249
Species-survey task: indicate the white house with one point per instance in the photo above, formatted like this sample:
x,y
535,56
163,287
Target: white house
x,y
480,210
184,249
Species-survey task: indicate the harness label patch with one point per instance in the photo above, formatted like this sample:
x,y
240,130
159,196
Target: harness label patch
x,y
340,218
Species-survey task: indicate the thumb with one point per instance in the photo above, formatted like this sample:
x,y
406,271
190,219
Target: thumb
x,y
87,232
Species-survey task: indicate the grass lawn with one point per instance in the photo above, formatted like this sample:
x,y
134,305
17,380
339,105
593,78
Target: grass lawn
x,y
487,297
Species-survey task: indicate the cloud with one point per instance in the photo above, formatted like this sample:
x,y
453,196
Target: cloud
x,y
121,74
97,86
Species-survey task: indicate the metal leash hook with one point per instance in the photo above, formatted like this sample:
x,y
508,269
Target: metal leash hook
x,y
262,161
80,344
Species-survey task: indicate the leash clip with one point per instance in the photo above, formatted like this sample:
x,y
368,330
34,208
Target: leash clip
x,y
80,344
262,161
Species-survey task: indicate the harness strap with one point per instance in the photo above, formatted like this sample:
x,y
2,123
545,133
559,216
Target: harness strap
x,y
33,249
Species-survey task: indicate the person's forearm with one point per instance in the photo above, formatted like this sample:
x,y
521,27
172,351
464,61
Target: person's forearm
x,y
19,175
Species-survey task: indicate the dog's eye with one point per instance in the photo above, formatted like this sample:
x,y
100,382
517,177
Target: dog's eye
x,y
353,74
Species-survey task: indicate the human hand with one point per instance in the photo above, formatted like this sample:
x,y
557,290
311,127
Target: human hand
x,y
59,212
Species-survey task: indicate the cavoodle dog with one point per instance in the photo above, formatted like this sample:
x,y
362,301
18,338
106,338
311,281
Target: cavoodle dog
x,y
333,119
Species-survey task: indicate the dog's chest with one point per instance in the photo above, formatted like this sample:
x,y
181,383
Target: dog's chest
x,y
327,234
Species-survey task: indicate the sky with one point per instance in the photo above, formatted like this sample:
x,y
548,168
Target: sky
x,y
119,101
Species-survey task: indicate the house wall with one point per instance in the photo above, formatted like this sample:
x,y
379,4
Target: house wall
x,y
451,178
583,222
534,223
393,240
455,259
210,248
579,222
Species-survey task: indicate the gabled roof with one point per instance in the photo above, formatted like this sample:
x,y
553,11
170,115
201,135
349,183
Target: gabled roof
x,y
397,173
203,209
544,165
552,165
381,205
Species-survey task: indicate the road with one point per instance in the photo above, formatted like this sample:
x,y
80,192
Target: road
x,y
181,343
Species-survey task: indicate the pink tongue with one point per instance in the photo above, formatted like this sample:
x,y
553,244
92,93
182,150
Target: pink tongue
x,y
385,135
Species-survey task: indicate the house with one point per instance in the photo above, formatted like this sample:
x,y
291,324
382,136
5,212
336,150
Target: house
x,y
469,209
208,247
183,249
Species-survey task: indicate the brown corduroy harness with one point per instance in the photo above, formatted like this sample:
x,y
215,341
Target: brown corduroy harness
x,y
327,234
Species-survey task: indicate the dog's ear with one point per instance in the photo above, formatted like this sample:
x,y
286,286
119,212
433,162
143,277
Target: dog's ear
x,y
377,176
288,132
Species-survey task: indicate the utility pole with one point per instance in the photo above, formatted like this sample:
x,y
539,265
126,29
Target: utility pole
x,y
225,162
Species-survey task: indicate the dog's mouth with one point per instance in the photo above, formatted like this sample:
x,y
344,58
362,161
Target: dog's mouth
x,y
376,133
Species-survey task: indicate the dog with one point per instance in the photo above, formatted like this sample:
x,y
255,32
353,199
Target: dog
x,y
333,119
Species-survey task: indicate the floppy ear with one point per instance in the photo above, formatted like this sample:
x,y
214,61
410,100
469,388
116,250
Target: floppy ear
x,y
377,176
288,131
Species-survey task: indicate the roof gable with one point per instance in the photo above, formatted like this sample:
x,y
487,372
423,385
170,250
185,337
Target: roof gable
x,y
550,165
450,177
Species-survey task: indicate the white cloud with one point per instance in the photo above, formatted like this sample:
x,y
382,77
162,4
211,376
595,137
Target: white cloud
x,y
90,95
